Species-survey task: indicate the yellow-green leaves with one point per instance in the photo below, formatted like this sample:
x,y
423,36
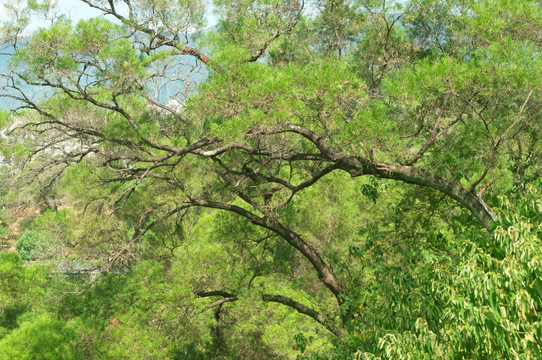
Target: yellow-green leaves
x,y
325,96
48,53
494,20
93,34
41,334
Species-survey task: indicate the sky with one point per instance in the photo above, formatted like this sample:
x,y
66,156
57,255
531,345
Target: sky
x,y
78,10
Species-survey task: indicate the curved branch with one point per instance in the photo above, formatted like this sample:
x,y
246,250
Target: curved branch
x,y
302,309
325,273
422,177
358,166
214,293
173,42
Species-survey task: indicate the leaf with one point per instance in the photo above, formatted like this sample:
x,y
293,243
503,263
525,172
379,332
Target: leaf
x,y
370,192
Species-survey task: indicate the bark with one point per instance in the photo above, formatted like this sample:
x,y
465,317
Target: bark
x,y
222,301
358,166
227,297
422,177
302,309
325,273
214,293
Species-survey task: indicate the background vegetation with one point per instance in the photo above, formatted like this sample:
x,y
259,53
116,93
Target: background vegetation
x,y
327,179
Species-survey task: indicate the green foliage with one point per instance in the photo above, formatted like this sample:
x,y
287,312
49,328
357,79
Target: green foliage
x,y
480,297
20,283
40,336
305,180
29,245
21,290
373,189
301,343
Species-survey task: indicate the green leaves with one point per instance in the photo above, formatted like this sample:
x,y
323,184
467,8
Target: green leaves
x,y
374,188
142,134
29,245
48,53
41,334
478,304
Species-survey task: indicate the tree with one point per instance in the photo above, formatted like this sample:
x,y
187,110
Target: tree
x,y
41,337
21,290
29,245
281,98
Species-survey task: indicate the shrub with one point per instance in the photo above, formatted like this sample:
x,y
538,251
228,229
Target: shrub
x,y
41,336
29,245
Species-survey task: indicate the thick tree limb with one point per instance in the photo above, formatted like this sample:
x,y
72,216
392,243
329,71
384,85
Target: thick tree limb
x,y
422,177
325,273
213,293
302,309
358,166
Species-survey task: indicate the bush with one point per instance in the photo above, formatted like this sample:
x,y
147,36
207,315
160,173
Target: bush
x,y
29,245
41,336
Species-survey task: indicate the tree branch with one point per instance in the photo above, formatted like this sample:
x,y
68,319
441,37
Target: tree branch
x,y
213,293
325,273
358,166
222,301
302,309
173,42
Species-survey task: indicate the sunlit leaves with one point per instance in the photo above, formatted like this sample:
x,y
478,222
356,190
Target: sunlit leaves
x,y
481,304
247,28
41,334
432,87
